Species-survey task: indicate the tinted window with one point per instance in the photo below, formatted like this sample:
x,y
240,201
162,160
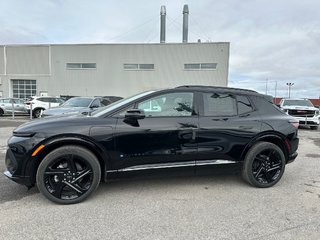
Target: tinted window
x,y
43,99
171,104
77,102
244,105
219,104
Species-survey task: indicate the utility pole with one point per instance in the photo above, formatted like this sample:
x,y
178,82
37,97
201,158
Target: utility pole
x,y
290,84
275,89
267,86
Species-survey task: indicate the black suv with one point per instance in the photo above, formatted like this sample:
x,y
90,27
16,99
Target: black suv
x,y
186,128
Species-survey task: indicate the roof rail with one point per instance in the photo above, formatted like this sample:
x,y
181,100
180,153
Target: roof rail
x,y
218,88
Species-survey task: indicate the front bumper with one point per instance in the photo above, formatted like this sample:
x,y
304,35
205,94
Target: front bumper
x,y
308,121
19,179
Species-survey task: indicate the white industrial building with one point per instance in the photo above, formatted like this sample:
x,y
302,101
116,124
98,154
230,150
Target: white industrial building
x,y
109,69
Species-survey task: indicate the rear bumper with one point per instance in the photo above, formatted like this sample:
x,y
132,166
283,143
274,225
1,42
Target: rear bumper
x,y
292,157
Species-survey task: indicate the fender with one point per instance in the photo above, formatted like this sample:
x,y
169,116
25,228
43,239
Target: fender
x,y
62,140
277,137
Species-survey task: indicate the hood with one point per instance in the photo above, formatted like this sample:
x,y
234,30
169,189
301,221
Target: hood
x,y
54,123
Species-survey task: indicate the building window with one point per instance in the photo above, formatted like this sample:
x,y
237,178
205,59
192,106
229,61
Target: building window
x,y
24,88
81,65
200,66
135,66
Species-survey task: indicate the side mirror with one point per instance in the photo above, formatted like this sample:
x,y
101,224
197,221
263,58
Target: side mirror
x,y
135,114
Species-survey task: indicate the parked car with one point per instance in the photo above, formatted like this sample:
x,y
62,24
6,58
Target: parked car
x,y
187,129
39,104
112,99
303,110
77,105
7,107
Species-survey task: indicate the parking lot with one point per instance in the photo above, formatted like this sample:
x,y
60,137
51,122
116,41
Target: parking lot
x,y
219,206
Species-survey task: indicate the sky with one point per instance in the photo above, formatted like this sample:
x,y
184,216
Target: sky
x,y
272,42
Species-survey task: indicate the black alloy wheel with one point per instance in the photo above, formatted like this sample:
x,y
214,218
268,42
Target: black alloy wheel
x,y
68,174
264,165
37,112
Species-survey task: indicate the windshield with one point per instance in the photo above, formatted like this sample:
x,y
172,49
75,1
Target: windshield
x,y
298,102
109,108
77,102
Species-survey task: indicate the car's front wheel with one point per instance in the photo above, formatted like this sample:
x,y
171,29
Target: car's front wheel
x,y
314,127
263,165
68,174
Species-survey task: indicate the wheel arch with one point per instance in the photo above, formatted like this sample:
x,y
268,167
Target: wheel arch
x,y
272,137
54,143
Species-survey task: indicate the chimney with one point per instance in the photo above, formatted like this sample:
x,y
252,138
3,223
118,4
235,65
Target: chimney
x,y
185,23
163,24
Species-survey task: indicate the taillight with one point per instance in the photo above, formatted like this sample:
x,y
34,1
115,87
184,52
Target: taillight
x,y
294,122
288,145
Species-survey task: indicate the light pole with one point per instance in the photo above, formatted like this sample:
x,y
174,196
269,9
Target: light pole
x,y
290,84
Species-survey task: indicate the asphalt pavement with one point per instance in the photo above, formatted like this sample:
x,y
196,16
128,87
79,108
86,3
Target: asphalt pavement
x,y
219,206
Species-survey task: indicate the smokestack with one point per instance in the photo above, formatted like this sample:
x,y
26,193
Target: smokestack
x,y
185,23
163,24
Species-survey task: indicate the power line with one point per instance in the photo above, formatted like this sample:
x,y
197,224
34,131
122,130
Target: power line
x,y
133,29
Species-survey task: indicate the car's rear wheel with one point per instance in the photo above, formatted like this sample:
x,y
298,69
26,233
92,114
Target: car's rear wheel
x,y
263,165
37,112
1,112
314,127
68,174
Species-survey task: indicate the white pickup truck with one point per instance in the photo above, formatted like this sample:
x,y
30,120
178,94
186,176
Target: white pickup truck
x,y
303,110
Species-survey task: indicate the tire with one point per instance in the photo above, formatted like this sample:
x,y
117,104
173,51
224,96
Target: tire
x,y
1,112
263,165
314,127
37,112
68,175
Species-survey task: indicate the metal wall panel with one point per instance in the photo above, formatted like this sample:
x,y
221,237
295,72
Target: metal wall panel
x,y
2,60
110,77
28,59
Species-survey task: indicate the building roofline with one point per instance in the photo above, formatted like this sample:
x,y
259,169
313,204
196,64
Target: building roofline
x,y
109,44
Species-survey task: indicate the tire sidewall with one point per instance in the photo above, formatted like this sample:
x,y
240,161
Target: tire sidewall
x,y
249,159
89,157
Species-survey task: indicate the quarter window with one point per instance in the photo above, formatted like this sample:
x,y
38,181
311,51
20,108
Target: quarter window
x,y
244,105
219,104
171,104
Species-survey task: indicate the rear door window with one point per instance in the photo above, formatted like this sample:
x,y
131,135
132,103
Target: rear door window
x,y
219,104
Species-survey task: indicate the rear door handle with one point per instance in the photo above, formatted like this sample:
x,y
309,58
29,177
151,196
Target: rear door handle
x,y
186,130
